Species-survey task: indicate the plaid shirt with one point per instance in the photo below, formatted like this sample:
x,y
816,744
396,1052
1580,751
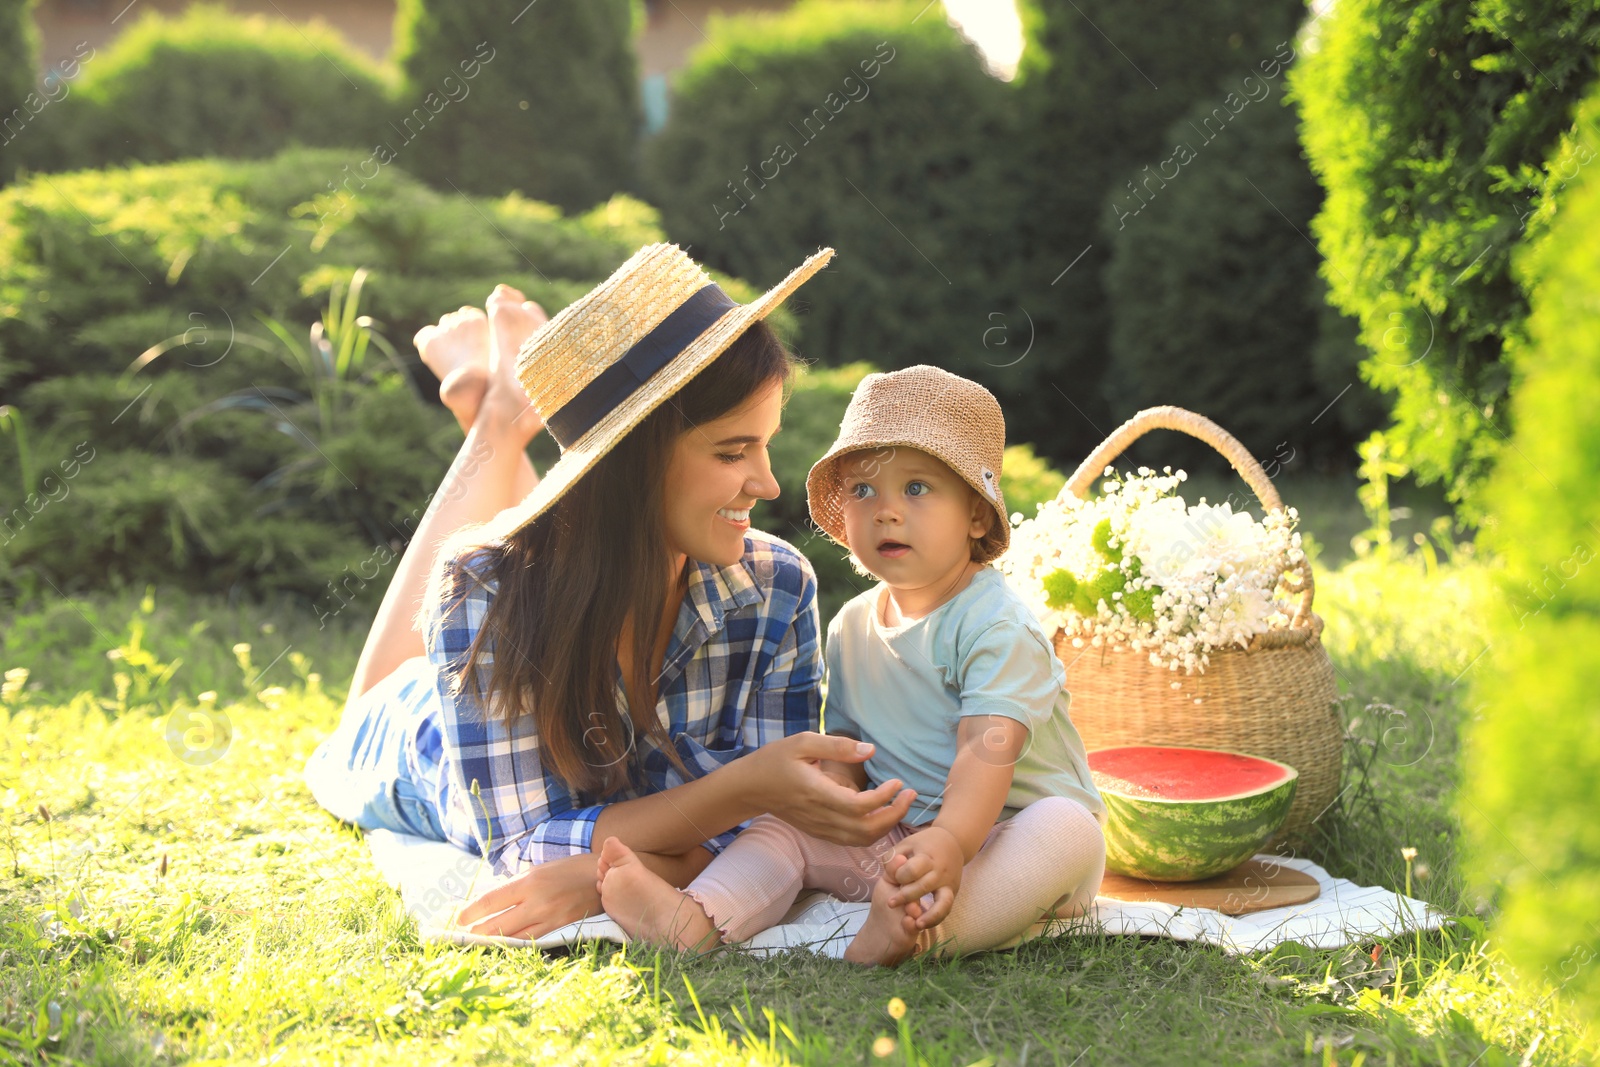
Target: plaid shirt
x,y
743,668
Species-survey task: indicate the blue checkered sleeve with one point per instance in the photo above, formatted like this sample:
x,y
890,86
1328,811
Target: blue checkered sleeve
x,y
789,700
520,812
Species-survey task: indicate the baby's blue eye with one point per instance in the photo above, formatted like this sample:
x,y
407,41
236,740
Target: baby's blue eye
x,y
926,489
861,490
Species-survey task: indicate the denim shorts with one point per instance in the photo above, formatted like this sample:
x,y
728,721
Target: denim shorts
x,y
361,773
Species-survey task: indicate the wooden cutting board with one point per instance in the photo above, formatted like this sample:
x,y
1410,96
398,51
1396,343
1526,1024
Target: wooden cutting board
x,y
1254,885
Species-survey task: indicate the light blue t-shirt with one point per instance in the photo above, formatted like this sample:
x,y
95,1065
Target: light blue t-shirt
x,y
905,688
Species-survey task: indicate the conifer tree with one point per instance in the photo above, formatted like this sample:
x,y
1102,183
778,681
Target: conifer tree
x,y
501,95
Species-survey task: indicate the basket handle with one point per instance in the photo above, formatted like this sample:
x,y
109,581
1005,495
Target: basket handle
x,y
1203,429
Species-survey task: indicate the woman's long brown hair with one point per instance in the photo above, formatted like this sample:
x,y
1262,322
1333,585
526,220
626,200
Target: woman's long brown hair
x,y
568,580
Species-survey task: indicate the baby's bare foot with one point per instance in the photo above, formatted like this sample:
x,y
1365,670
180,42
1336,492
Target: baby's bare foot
x,y
646,906
512,320
889,936
456,349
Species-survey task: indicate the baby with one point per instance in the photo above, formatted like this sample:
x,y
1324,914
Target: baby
x,y
945,671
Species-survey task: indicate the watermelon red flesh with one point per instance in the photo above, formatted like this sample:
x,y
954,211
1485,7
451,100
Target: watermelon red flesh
x,y
1188,773
1181,814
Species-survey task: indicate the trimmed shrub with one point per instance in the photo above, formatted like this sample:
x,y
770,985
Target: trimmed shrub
x,y
1533,766
20,99
214,467
1214,297
873,132
210,83
1101,82
543,98
1430,124
163,249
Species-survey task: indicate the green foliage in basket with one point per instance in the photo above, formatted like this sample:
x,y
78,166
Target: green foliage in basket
x,y
1533,758
1440,130
1063,589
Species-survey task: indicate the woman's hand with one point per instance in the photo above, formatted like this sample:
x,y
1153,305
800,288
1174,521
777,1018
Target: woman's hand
x,y
786,778
932,863
538,900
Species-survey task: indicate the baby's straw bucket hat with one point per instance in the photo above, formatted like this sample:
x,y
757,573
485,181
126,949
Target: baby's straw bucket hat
x,y
617,353
929,409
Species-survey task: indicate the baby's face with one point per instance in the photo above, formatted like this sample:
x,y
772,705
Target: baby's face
x,y
909,518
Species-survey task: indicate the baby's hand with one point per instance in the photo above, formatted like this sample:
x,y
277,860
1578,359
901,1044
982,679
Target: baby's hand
x,y
931,863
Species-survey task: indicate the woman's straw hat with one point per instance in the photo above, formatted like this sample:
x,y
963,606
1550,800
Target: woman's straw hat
x,y
613,355
934,411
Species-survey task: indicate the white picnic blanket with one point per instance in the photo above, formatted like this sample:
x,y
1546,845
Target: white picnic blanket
x,y
435,878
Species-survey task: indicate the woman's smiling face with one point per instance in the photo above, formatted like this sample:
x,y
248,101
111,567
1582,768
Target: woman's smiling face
x,y
718,471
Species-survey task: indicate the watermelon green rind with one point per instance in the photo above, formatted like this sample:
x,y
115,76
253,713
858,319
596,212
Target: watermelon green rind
x,y
1186,840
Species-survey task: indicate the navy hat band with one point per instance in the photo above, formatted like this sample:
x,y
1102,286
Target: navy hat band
x,y
614,385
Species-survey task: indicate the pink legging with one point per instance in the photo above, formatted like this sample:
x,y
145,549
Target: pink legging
x,y
1047,859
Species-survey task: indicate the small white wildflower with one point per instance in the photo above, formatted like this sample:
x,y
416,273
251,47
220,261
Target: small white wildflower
x,y
1212,572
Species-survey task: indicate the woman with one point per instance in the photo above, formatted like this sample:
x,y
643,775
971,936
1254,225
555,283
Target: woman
x,y
611,651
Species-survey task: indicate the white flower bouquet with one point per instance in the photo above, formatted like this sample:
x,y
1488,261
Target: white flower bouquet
x,y
1138,568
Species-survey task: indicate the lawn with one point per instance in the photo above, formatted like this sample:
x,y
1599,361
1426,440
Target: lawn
x,y
169,892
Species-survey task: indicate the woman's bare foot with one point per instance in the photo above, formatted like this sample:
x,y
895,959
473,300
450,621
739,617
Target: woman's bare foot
x,y
456,349
890,934
512,320
646,906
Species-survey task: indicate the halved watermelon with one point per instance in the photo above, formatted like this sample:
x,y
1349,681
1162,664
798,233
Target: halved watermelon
x,y
1182,814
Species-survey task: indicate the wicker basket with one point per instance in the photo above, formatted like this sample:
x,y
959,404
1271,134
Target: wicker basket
x,y
1274,699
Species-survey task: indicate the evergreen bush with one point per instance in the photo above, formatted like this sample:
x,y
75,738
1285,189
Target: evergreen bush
x,y
1101,82
1215,302
1533,765
872,131
1431,124
212,83
551,107
21,101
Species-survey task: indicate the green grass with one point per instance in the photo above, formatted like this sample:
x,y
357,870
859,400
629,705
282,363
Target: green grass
x,y
185,901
